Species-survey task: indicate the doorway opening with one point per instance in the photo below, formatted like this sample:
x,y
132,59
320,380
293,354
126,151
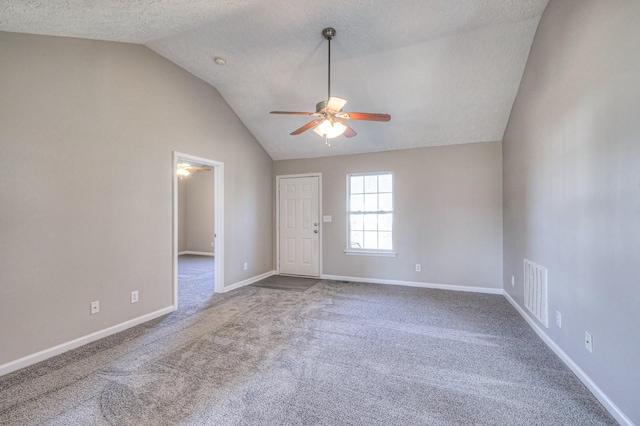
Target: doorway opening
x,y
198,228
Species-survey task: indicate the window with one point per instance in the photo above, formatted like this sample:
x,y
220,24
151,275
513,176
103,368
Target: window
x,y
370,214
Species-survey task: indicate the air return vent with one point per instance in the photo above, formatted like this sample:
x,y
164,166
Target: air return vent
x,y
536,292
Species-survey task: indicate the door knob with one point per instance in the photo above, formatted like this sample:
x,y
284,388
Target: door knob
x,y
315,231
315,224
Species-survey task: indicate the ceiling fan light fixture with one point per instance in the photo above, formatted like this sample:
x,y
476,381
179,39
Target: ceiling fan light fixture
x,y
329,122
183,172
330,129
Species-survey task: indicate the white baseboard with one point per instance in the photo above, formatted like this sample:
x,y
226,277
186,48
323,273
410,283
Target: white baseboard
x,y
595,390
196,253
487,290
76,343
248,281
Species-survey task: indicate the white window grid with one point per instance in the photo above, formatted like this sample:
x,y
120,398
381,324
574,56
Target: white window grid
x,y
370,212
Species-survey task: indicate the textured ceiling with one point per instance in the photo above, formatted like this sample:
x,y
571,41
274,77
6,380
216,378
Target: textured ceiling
x,y
446,70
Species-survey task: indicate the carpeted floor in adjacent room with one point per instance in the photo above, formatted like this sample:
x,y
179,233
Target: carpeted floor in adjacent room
x,y
333,354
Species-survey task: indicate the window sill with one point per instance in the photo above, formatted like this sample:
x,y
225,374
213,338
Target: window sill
x,y
371,253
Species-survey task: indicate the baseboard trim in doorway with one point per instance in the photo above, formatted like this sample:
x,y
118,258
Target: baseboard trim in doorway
x,y
486,290
586,380
81,341
196,253
248,281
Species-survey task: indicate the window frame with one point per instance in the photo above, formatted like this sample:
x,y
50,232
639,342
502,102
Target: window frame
x,y
362,251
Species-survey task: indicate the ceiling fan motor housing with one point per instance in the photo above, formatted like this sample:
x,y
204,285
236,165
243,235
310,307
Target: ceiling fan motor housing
x,y
321,106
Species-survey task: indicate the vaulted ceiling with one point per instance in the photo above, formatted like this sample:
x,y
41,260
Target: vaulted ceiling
x,y
446,70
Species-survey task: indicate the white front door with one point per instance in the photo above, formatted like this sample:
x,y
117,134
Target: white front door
x,y
299,227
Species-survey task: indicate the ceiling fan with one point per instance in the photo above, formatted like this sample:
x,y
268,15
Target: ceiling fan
x,y
185,169
330,117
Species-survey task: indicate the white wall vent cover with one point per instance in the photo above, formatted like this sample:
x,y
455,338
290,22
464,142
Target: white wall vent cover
x,y
535,291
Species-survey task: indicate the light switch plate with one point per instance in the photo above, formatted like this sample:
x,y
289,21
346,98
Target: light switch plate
x,y
326,218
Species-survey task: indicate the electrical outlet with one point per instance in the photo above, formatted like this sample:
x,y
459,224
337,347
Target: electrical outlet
x,y
246,266
134,296
418,267
95,307
558,319
588,341
513,281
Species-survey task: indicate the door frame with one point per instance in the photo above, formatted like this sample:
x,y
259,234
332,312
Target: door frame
x,y
218,259
320,227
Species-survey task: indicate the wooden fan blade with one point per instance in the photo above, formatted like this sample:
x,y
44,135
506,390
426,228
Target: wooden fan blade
x,y
335,104
292,112
366,116
349,133
305,127
198,168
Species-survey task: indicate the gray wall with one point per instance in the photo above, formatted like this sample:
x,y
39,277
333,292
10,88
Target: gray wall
x,y
572,185
200,213
87,130
448,213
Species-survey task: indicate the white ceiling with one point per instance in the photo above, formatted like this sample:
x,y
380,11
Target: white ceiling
x,y
446,70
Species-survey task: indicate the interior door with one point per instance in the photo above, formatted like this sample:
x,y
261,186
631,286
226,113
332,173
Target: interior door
x,y
299,226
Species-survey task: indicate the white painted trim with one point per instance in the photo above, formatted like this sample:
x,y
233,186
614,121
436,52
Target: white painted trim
x,y
249,281
584,378
320,221
486,290
371,253
196,253
218,170
76,343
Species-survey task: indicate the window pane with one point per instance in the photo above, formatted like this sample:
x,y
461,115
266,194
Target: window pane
x,y
385,183
370,202
384,241
357,203
371,222
357,184
370,240
371,184
385,222
385,202
357,241
357,222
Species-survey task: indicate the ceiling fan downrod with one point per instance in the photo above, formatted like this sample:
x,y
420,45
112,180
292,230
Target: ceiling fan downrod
x,y
329,34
